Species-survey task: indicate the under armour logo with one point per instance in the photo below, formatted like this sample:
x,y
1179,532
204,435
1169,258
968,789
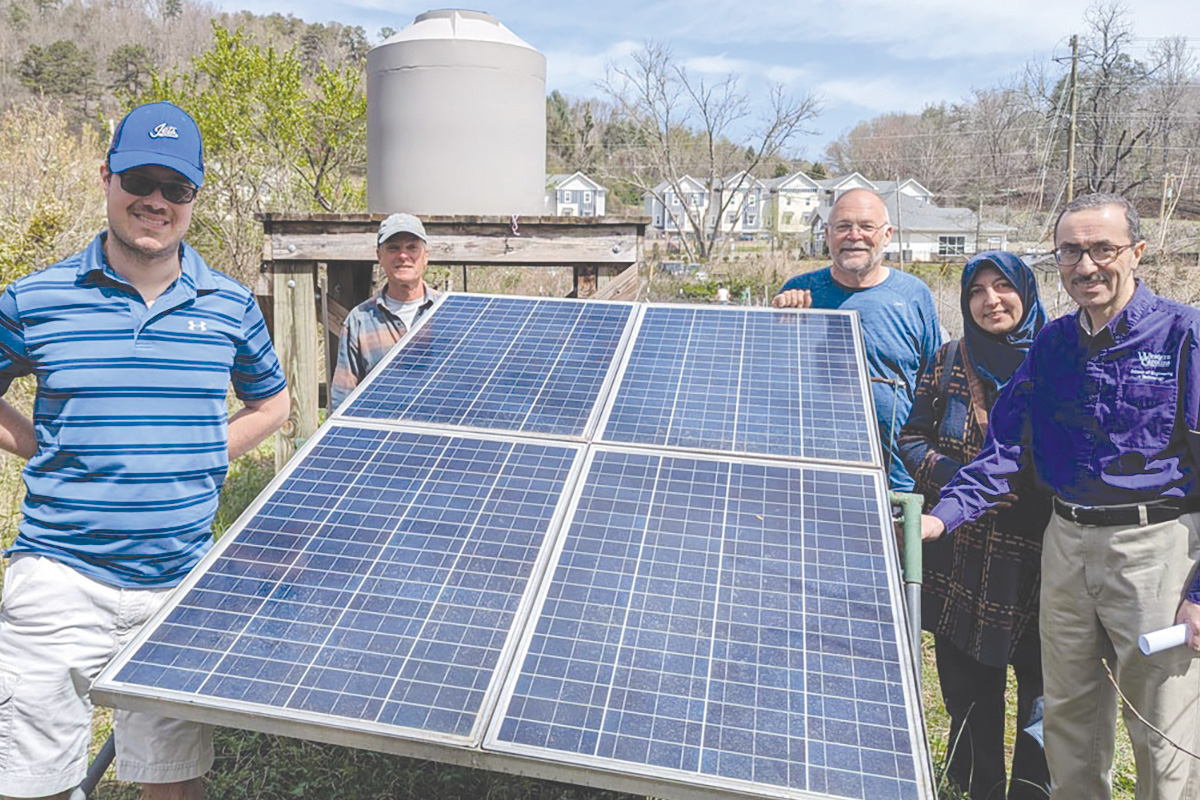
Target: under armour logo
x,y
164,131
197,325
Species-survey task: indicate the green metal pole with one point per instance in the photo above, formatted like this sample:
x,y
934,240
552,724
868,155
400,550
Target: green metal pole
x,y
911,505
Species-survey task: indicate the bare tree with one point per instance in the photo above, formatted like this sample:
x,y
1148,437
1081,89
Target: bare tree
x,y
1171,83
1003,145
1110,129
687,125
925,146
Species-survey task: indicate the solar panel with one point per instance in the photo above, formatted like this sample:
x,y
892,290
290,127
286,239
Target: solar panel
x,y
516,364
377,583
725,623
734,380
454,569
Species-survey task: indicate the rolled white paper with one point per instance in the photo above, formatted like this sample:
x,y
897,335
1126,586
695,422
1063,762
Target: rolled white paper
x,y
1164,639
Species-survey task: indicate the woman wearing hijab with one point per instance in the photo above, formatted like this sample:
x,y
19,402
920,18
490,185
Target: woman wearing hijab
x,y
980,586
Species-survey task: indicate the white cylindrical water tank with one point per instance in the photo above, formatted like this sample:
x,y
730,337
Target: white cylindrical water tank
x,y
456,119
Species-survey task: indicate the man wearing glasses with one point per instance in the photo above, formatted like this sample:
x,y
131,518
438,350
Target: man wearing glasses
x,y
134,342
899,319
1104,411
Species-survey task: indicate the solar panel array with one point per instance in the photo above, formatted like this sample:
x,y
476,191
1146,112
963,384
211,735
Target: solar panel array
x,y
700,604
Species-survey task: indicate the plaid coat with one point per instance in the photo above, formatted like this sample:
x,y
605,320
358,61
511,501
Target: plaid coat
x,y
980,585
370,331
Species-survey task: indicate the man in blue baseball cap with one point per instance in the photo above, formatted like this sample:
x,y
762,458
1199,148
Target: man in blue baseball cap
x,y
134,341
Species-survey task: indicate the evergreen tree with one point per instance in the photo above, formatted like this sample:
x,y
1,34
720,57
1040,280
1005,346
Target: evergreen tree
x,y
129,67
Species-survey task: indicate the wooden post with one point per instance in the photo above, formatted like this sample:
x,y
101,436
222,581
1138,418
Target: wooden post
x,y
296,344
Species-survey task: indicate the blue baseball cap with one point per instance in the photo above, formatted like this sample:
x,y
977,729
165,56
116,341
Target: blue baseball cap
x,y
159,133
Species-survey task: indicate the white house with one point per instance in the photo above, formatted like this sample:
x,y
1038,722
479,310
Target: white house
x,y
907,187
833,188
740,203
789,203
738,198
574,195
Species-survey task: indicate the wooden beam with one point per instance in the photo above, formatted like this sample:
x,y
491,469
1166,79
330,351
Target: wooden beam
x,y
337,316
468,249
533,241
296,345
622,286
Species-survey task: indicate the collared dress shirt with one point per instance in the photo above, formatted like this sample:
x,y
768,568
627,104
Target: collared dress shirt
x,y
1100,420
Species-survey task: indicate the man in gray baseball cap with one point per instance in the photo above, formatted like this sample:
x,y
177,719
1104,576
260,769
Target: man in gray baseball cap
x,y
374,326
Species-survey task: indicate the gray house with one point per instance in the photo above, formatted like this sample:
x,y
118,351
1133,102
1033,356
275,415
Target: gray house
x,y
668,206
575,195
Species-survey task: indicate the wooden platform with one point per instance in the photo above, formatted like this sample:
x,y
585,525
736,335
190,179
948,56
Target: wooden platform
x,y
316,267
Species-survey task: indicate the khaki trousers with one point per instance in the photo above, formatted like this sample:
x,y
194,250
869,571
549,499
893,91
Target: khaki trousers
x,y
1101,588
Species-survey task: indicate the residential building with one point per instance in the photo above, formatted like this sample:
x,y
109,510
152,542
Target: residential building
x,y
575,195
789,203
668,206
740,203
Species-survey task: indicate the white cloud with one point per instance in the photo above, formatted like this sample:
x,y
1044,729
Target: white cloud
x,y
577,73
917,30
881,95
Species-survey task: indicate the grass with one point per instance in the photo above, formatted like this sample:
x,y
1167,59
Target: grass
x,y
256,766
937,727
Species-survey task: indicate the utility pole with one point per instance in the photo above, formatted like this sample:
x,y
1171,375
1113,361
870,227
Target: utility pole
x,y
899,226
1162,210
1074,116
979,222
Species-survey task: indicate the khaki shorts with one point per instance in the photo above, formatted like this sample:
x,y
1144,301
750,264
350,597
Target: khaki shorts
x,y
58,629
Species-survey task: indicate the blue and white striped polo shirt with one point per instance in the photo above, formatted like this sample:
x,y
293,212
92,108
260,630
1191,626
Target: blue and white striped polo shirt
x,y
130,412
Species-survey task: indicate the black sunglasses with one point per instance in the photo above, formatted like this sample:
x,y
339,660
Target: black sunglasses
x,y
143,186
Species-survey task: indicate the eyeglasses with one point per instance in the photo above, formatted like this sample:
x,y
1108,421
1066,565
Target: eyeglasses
x,y
1103,253
868,228
143,186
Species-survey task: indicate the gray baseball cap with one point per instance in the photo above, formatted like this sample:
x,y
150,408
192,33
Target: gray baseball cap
x,y
401,223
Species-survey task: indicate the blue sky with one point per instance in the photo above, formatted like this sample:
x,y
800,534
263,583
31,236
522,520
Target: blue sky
x,y
863,57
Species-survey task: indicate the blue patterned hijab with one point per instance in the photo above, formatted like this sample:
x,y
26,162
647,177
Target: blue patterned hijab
x,y
996,356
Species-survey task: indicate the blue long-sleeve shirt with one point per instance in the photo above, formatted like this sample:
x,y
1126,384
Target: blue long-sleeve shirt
x,y
1106,419
901,335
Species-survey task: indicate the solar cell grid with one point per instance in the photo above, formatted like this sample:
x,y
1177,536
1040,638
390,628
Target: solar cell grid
x,y
344,597
499,363
719,622
722,619
777,383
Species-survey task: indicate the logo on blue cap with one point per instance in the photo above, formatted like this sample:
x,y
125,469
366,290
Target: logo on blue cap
x,y
162,134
